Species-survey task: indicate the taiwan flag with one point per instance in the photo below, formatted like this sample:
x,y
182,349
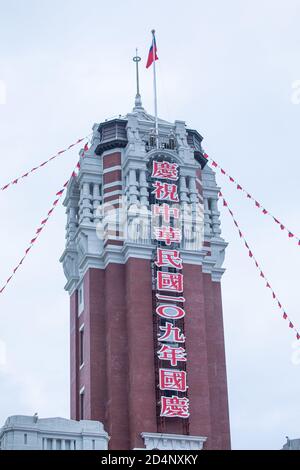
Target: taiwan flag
x,y
152,56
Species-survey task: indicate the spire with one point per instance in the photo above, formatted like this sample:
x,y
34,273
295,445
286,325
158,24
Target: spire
x,y
138,100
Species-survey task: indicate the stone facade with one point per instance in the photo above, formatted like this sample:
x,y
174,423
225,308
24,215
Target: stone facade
x,y
172,441
107,262
291,444
33,433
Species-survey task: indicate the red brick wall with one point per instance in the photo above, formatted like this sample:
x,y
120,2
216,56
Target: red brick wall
x,y
141,378
112,202
74,405
118,374
220,418
196,348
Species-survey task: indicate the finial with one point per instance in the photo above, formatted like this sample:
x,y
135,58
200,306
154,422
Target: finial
x,y
138,100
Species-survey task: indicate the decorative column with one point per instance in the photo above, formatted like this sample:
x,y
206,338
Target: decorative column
x,y
185,211
196,217
144,200
72,224
96,203
133,192
144,212
85,204
207,227
215,216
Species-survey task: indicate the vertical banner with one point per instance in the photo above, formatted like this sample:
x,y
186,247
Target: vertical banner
x,y
168,292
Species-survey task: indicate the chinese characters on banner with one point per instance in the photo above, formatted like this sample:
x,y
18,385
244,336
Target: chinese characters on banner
x,y
169,291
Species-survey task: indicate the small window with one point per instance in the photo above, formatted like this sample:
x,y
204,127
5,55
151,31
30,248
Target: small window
x,y
67,444
81,346
58,444
93,444
25,439
80,299
81,405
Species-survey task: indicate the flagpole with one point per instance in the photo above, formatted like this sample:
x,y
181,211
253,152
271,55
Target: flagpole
x,y
154,86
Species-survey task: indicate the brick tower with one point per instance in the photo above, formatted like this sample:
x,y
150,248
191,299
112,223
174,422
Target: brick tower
x,y
143,262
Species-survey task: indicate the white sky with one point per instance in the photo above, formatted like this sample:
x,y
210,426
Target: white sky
x,y
227,69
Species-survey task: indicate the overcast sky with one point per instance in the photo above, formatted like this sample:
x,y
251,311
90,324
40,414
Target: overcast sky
x,y
227,69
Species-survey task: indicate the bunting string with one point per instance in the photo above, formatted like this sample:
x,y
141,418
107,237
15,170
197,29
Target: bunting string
x,y
258,267
257,204
40,228
34,169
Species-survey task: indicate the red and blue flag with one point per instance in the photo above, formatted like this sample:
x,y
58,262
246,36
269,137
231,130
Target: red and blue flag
x,y
152,56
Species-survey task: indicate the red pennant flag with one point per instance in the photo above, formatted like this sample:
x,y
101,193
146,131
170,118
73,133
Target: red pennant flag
x,y
282,227
33,240
55,202
235,223
291,325
25,174
298,336
257,204
279,304
50,212
16,268
239,187
231,213
214,164
4,187
284,316
262,274
224,203
29,248
291,235
256,264
265,211
231,179
73,174
86,147
250,254
78,165
33,169
7,280
66,184
249,196
223,171
274,295
240,234
277,221
206,156
44,221
268,285
15,181
59,193
60,152
39,230
44,163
